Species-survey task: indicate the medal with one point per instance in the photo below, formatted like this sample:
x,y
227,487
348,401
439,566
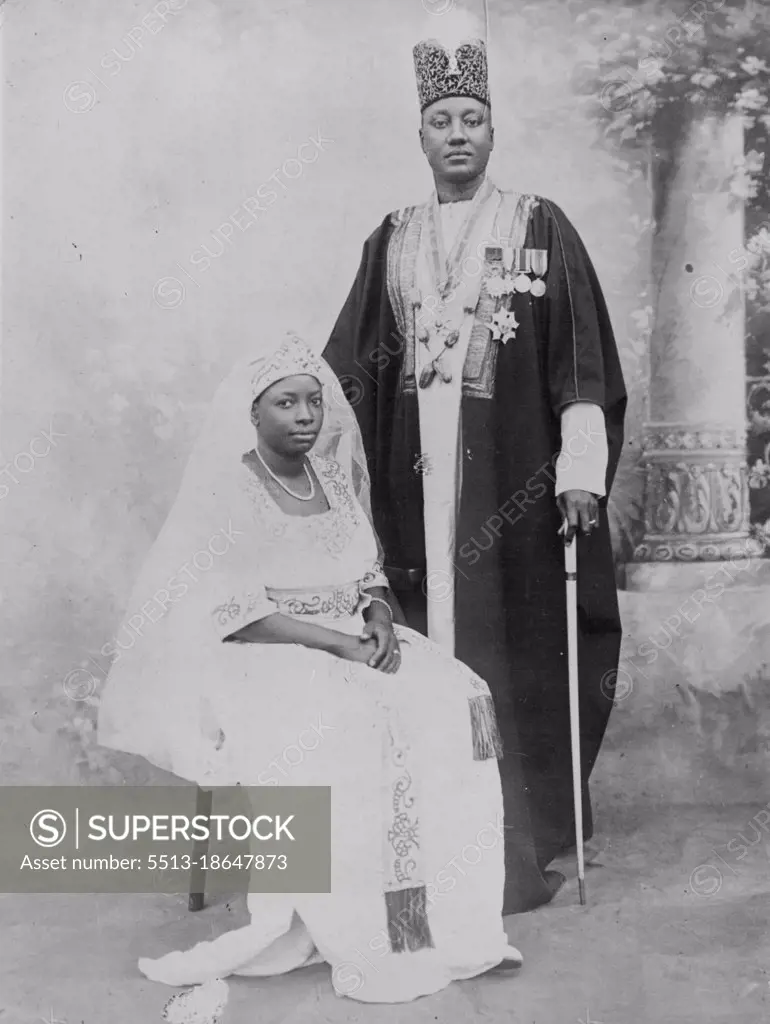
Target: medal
x,y
521,262
503,326
538,261
522,283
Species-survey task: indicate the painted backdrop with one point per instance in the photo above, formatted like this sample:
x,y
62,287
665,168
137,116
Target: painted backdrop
x,y
177,178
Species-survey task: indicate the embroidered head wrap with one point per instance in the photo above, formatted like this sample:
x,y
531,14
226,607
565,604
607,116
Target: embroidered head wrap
x,y
443,70
291,358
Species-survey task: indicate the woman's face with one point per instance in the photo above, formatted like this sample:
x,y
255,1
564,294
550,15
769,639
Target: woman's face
x,y
289,414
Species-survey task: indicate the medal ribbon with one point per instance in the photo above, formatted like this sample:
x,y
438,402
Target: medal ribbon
x,y
448,268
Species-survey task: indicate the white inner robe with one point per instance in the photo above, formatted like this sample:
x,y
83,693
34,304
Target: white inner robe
x,y
582,464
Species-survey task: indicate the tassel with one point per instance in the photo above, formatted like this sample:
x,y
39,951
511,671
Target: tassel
x,y
486,737
427,375
408,927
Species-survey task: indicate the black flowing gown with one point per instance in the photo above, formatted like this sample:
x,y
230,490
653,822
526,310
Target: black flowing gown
x,y
510,605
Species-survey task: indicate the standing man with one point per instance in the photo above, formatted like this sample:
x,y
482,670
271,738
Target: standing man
x,y
477,350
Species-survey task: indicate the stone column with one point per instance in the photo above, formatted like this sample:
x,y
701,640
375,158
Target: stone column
x,y
694,448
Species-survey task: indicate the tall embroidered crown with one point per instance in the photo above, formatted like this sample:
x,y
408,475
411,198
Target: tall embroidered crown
x,y
290,358
444,71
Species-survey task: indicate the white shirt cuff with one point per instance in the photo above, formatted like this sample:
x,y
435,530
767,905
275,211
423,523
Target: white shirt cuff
x,y
582,462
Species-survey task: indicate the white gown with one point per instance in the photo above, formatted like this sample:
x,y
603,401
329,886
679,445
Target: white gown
x,y
413,803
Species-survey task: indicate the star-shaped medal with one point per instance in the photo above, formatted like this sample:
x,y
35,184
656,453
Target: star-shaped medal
x,y
503,325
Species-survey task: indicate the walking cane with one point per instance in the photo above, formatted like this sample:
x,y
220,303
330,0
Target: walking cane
x,y
570,574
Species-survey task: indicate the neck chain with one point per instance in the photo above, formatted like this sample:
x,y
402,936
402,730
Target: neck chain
x,y
289,491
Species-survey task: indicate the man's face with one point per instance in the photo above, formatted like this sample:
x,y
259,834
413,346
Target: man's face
x,y
457,137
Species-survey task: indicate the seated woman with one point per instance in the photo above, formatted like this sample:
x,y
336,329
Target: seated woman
x,y
291,627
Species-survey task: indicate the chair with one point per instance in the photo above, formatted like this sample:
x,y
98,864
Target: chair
x,y
196,897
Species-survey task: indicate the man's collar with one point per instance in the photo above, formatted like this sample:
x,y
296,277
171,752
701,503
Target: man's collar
x,y
485,185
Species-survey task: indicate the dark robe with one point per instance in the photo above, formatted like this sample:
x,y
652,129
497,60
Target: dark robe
x,y
510,605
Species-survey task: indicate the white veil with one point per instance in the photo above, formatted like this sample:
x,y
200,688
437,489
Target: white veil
x,y
149,669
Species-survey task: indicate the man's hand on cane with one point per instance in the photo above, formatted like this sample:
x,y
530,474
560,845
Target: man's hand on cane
x,y
580,510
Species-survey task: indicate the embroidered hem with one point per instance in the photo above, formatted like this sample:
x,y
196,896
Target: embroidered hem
x,y
407,913
486,735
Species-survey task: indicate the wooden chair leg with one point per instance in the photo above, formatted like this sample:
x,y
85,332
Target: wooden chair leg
x,y
195,899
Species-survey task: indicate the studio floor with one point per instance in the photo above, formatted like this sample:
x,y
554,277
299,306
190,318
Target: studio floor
x,y
673,933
